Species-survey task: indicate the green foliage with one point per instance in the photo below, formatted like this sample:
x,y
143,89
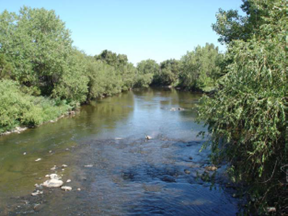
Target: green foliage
x,y
232,26
124,70
36,52
5,67
17,108
168,73
73,84
200,68
247,116
145,72
36,44
103,80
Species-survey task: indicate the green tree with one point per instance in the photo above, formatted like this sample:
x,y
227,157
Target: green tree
x,y
145,72
231,25
247,116
36,43
201,68
168,73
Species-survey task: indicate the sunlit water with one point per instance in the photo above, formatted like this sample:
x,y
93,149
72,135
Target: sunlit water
x,y
129,175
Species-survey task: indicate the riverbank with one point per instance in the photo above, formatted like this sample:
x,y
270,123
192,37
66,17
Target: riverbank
x,y
20,129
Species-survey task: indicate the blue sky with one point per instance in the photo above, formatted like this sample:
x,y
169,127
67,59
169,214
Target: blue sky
x,y
141,29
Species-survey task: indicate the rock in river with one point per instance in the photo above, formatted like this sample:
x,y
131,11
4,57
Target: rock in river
x,y
187,171
36,193
66,188
168,179
54,181
148,137
211,168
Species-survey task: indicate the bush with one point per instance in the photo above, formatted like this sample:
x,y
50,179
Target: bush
x,y
17,108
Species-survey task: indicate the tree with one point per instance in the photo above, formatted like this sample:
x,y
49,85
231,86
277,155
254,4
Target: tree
x,y
168,73
145,72
200,68
36,43
232,26
247,115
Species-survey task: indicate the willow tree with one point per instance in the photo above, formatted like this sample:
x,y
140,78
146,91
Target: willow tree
x,y
247,116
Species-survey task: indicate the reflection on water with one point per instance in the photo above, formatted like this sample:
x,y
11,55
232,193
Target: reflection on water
x,y
129,175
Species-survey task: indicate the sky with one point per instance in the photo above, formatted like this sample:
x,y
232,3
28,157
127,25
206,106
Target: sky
x,y
141,29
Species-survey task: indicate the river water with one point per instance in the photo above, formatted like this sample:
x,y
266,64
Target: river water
x,y
126,174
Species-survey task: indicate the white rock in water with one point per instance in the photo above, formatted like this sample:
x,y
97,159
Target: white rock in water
x,y
53,183
24,153
53,168
79,189
88,165
54,176
47,176
39,159
38,186
37,193
69,180
66,188
64,166
50,151
148,137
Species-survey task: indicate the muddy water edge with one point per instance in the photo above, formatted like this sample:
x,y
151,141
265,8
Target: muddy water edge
x,y
113,168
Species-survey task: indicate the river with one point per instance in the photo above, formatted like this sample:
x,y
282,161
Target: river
x,y
126,173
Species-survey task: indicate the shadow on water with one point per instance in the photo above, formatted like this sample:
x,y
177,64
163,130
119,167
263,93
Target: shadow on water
x,y
127,174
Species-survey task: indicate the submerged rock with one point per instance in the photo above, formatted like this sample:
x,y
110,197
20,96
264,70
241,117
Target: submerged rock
x,y
88,165
187,171
173,109
168,179
211,168
38,186
53,168
36,193
37,206
148,137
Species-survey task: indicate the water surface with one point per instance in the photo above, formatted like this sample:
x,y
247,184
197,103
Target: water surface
x,y
128,175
